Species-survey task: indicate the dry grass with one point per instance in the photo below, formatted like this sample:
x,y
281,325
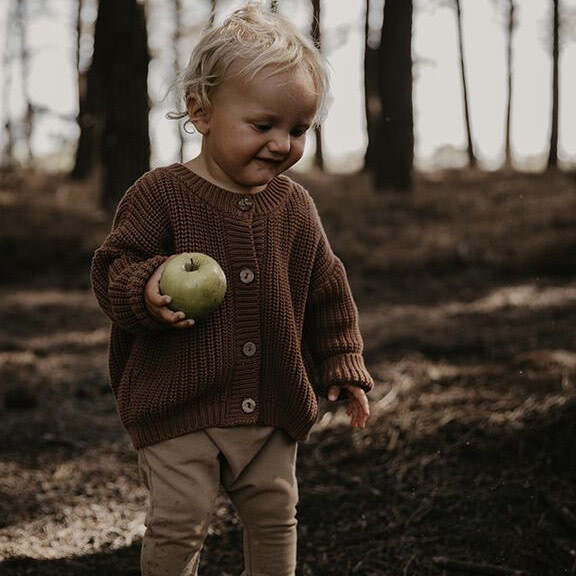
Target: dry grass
x,y
467,296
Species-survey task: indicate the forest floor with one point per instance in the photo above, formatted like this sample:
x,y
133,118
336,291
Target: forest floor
x,y
467,294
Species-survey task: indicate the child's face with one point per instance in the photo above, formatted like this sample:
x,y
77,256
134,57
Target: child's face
x,y
255,130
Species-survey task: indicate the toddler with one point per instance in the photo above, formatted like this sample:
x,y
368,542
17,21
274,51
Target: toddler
x,y
223,401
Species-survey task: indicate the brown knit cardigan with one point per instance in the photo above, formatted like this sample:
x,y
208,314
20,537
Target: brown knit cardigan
x,y
286,331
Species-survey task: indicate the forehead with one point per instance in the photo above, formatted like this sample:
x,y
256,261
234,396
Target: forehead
x,y
270,88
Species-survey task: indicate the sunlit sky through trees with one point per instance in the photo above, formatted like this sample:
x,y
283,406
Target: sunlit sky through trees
x,y
439,121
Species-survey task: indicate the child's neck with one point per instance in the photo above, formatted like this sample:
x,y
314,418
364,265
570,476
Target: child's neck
x,y
199,167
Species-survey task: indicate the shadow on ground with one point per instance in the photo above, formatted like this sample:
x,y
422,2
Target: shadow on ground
x,y
467,296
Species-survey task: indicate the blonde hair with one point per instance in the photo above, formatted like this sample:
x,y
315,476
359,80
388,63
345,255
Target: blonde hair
x,y
252,39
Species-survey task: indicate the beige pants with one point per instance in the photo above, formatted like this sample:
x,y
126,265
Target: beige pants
x,y
256,467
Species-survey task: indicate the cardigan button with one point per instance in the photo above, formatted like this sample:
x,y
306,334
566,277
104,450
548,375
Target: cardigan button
x,y
246,276
249,349
245,203
248,405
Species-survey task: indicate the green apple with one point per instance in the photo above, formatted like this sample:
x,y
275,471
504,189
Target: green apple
x,y
195,282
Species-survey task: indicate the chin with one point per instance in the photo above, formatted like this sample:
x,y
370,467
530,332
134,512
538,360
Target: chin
x,y
262,179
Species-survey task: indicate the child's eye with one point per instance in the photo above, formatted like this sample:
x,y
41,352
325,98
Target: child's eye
x,y
299,131
262,126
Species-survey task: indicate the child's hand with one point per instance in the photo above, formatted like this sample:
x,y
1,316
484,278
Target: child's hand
x,y
358,408
157,303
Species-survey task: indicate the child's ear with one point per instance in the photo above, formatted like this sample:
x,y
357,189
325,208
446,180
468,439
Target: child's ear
x,y
199,114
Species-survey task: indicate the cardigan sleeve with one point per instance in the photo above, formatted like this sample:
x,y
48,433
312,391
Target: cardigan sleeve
x,y
331,330
136,246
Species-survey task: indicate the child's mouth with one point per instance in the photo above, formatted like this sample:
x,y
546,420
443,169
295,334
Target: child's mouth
x,y
270,161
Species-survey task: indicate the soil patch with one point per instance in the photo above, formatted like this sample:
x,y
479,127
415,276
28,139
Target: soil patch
x,y
467,294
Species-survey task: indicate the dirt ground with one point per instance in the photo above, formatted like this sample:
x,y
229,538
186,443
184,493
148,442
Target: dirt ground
x,y
467,294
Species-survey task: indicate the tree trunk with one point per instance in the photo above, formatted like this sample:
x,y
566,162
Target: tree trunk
x,y
372,104
396,127
212,13
470,144
317,37
21,23
85,160
8,159
120,67
176,38
509,62
553,152
87,119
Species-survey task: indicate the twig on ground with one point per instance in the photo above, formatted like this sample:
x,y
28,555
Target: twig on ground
x,y
476,568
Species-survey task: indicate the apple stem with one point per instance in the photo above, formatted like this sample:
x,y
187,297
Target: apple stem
x,y
190,266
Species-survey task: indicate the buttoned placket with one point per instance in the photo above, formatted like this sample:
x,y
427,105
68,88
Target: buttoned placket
x,y
247,292
246,275
245,203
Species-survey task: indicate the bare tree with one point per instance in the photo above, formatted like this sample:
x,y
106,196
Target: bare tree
x,y
85,159
553,151
120,71
510,28
509,9
176,38
8,140
79,7
470,143
25,62
317,38
395,139
372,104
509,65
212,13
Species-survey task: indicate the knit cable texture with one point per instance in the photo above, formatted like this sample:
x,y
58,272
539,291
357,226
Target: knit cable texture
x,y
278,340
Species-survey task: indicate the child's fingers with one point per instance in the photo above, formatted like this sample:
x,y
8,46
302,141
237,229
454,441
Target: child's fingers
x,y
157,303
177,319
358,407
171,317
357,417
157,299
333,393
174,318
152,292
358,396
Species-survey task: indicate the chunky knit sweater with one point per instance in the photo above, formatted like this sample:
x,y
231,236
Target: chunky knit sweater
x,y
286,331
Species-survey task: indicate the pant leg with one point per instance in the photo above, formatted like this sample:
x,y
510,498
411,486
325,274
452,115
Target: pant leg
x,y
183,478
265,495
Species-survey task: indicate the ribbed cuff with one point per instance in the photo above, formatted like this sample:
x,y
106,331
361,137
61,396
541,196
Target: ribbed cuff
x,y
344,369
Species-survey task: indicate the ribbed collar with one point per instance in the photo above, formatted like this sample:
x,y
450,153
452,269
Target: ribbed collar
x,y
264,202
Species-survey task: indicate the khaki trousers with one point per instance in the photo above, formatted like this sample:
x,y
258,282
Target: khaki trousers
x,y
256,467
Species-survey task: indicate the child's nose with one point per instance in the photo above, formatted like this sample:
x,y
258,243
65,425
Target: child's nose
x,y
280,143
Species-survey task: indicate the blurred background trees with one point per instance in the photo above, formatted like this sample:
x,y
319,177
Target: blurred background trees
x,y
120,90
553,152
469,139
113,100
510,27
391,162
112,57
